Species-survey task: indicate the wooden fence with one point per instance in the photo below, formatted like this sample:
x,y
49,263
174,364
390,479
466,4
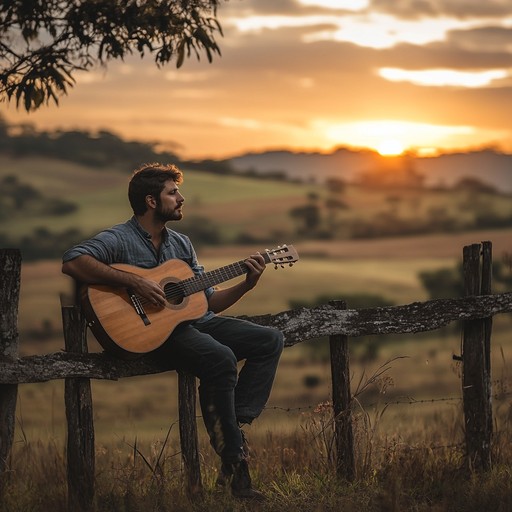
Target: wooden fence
x,y
334,320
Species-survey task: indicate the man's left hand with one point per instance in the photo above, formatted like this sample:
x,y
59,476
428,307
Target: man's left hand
x,y
256,265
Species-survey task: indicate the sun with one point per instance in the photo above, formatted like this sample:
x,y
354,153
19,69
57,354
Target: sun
x,y
390,147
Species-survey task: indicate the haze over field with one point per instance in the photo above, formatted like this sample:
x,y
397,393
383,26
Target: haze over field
x,y
487,166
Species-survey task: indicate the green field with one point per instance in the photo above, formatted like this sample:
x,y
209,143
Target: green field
x,y
262,209
101,196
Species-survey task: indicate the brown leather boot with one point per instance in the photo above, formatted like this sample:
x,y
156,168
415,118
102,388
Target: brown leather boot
x,y
226,470
224,476
241,484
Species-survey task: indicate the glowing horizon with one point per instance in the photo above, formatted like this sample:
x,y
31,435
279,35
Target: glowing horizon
x,y
386,137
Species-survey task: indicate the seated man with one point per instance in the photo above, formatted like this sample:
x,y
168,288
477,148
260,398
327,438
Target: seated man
x,y
208,348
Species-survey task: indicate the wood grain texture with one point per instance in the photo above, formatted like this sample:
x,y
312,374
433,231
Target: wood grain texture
x,y
10,272
115,323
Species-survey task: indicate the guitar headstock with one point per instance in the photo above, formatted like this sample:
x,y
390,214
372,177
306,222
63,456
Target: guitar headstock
x,y
282,255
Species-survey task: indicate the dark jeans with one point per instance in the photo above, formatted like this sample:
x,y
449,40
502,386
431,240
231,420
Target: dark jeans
x,y
210,350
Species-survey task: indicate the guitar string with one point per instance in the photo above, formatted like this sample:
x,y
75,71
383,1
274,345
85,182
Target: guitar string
x,y
179,289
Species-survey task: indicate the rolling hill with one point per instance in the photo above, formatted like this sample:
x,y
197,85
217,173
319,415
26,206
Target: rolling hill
x,y
488,166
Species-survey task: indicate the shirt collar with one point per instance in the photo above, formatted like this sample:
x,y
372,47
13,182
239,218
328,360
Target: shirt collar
x,y
137,226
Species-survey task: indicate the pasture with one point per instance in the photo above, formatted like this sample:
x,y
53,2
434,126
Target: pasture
x,y
420,368
408,429
238,206
408,421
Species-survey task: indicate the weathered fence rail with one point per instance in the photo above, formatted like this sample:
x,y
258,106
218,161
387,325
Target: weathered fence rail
x,y
332,320
297,325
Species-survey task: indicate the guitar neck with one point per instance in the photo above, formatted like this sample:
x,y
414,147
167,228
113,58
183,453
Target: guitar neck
x,y
214,277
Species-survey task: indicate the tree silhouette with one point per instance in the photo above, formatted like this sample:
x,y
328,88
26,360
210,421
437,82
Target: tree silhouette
x,y
44,42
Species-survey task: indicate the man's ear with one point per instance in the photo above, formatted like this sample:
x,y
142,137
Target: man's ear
x,y
150,201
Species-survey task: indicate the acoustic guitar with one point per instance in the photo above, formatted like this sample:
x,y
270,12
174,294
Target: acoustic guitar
x,y
128,326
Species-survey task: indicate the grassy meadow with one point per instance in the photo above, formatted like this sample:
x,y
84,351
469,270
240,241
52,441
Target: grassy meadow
x,y
408,424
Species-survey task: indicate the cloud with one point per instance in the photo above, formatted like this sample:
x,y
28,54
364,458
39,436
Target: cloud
x,y
483,39
198,75
445,77
240,8
90,77
443,8
343,5
289,7
383,24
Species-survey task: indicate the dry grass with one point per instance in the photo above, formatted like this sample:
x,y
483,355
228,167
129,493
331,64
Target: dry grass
x,y
409,456
294,469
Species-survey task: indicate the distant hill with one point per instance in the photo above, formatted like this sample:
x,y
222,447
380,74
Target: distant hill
x,y
489,166
105,150
486,165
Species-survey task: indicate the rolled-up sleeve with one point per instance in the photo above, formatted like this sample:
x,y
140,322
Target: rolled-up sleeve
x,y
104,247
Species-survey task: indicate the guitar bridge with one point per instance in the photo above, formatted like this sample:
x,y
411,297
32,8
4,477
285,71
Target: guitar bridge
x,y
139,309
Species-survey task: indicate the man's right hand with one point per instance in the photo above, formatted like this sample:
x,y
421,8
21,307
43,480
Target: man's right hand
x,y
149,290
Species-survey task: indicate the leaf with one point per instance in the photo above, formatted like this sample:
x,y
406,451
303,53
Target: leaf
x,y
51,93
209,54
67,36
37,97
181,54
28,96
202,36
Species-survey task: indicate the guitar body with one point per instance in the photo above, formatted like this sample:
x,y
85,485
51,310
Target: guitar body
x,y
121,330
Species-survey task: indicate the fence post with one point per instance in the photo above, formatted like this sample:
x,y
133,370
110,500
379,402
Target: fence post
x,y
486,289
342,402
79,415
476,379
10,272
188,432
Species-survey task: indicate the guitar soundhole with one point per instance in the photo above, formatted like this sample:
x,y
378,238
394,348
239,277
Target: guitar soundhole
x,y
174,293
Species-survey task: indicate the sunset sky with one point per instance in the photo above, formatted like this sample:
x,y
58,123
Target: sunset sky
x,y
312,75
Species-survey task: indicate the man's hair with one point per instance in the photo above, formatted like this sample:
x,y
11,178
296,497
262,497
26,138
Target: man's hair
x,y
150,179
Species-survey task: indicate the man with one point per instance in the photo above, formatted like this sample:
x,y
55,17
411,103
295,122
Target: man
x,y
210,347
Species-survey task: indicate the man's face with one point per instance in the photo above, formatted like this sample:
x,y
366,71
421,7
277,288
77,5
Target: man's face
x,y
169,203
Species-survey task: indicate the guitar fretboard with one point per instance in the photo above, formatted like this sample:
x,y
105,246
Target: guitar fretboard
x,y
214,277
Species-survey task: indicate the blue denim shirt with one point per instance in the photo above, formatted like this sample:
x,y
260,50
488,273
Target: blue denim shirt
x,y
130,243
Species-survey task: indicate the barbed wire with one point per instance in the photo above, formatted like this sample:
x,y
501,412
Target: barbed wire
x,y
408,447
407,401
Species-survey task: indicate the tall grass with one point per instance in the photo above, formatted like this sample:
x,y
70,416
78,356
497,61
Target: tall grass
x,y
295,471
294,468
409,456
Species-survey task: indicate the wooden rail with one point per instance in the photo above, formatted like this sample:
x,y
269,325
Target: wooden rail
x,y
77,366
298,325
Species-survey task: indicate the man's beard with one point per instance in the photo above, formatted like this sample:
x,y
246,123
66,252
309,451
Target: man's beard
x,y
166,215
